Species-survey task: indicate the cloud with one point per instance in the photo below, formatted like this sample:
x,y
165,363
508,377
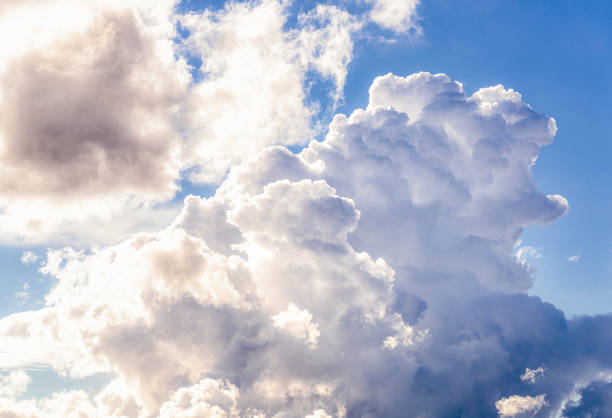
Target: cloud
x,y
532,375
24,293
399,16
516,405
28,257
89,96
595,399
574,258
114,401
14,384
102,117
208,398
298,323
372,274
254,91
87,105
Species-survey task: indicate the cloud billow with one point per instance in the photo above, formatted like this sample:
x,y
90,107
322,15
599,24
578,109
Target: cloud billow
x,y
372,274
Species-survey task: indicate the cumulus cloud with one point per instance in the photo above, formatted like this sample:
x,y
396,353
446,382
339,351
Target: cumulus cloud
x,y
399,16
372,274
113,401
102,117
574,258
14,384
517,405
87,103
208,398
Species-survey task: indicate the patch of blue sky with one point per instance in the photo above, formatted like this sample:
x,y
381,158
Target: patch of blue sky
x,y
46,382
187,187
22,286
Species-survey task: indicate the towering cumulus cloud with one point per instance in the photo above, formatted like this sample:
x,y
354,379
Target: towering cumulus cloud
x,y
373,274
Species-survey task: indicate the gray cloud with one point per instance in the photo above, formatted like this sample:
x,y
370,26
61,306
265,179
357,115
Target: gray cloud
x,y
91,115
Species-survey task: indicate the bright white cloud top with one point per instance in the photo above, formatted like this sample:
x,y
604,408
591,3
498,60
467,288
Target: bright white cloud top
x,y
374,273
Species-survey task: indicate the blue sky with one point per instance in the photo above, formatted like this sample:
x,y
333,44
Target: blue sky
x,y
277,230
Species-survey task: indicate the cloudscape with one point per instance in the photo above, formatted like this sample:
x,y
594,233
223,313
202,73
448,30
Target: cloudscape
x,y
228,209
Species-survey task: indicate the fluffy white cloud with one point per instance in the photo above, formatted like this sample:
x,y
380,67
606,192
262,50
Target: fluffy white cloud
x,y
399,16
516,405
28,257
298,323
253,93
373,274
14,383
113,401
208,398
574,259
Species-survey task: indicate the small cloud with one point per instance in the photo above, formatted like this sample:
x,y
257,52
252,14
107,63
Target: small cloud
x,y
14,384
516,405
528,254
28,257
24,293
298,323
574,258
532,375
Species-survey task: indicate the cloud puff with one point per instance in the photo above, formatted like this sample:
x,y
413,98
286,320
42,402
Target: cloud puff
x,y
517,405
28,257
399,16
574,258
372,274
532,375
113,401
14,384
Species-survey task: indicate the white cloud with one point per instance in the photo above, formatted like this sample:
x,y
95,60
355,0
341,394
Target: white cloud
x,y
14,384
298,323
28,257
527,254
399,16
372,273
208,398
319,413
516,405
532,375
254,91
24,293
574,258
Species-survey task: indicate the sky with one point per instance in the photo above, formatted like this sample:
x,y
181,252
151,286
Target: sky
x,y
277,208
